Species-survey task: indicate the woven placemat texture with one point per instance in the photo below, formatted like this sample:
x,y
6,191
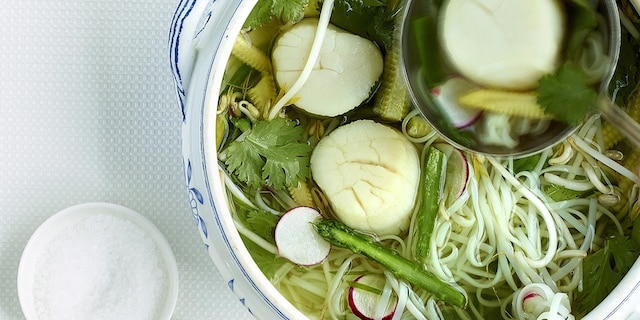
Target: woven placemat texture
x,y
88,113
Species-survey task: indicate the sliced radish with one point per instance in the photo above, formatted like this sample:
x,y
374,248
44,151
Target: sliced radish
x,y
365,296
447,96
537,299
457,175
296,238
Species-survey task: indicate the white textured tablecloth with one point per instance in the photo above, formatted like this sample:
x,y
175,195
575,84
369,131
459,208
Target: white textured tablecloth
x,y
88,113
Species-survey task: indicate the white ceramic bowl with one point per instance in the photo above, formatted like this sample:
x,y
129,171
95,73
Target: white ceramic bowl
x,y
200,41
56,275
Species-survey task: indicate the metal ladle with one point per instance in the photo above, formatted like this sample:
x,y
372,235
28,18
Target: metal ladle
x,y
424,101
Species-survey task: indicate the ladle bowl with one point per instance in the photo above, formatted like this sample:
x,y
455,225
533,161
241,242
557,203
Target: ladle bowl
x,y
466,139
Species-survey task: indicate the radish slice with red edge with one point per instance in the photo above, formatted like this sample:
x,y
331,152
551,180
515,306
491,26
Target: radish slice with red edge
x,y
446,96
296,238
365,295
457,174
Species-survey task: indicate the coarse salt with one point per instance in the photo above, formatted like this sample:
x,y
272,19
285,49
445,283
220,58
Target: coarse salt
x,y
100,267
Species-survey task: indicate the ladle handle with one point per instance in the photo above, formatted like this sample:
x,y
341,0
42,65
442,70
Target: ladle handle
x,y
620,119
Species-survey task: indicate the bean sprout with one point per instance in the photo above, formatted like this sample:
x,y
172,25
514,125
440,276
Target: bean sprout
x,y
321,30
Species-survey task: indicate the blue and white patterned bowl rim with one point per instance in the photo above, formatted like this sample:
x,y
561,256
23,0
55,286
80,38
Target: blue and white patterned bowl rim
x,y
201,35
196,47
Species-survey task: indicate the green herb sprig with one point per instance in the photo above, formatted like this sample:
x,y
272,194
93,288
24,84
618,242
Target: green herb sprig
x,y
285,10
566,95
270,153
604,269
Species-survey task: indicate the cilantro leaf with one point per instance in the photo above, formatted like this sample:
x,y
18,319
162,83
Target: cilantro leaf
x,y
289,10
268,262
263,224
604,269
246,162
560,193
285,10
282,166
526,163
270,152
371,19
625,251
566,95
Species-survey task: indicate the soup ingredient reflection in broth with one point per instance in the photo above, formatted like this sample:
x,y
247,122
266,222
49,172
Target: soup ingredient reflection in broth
x,y
528,60
503,44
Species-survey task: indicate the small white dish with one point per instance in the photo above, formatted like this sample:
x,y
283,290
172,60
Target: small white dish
x,y
102,232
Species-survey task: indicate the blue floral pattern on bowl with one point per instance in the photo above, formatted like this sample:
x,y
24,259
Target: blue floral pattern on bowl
x,y
195,199
196,45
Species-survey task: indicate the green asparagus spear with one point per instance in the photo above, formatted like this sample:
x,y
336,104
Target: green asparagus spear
x,y
432,183
341,235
